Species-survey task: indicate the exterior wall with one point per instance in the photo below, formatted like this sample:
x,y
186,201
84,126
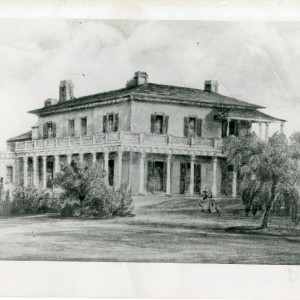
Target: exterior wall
x,y
94,119
141,118
7,159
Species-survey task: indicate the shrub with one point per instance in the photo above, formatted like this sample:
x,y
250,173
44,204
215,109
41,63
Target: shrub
x,y
70,210
30,200
5,208
107,202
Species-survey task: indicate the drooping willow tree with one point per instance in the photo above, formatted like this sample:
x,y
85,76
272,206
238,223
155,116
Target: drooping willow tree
x,y
268,171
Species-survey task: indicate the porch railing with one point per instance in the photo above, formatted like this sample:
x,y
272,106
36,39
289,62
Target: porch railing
x,y
127,138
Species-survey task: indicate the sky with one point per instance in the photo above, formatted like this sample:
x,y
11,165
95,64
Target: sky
x,y
258,62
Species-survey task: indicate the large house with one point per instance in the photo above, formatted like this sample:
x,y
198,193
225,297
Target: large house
x,y
153,138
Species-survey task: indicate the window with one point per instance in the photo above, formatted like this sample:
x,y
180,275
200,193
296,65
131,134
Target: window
x,y
110,122
72,127
192,127
233,128
49,130
83,130
159,124
9,174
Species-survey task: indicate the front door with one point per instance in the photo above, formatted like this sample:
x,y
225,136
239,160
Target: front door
x,y
185,175
156,176
226,181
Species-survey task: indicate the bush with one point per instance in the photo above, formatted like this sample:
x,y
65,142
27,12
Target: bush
x,y
5,208
70,210
109,203
30,200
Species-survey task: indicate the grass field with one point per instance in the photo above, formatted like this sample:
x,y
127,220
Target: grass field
x,y
163,229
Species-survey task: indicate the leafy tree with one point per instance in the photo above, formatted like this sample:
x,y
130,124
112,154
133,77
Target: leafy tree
x,y
268,171
80,180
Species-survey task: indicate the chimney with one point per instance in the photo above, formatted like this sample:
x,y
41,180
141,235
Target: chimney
x,y
49,102
66,88
138,78
211,86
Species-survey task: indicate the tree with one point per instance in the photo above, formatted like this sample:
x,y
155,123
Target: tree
x,y
80,180
268,172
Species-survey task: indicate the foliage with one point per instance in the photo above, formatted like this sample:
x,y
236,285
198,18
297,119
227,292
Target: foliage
x,y
110,203
70,210
5,208
83,183
79,180
269,176
30,200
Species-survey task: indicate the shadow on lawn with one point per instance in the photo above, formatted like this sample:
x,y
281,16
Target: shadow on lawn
x,y
253,230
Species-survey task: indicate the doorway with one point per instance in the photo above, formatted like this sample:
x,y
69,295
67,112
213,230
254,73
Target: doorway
x,y
226,179
156,176
111,172
185,176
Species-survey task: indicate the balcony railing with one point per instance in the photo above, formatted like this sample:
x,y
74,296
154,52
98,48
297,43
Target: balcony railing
x,y
127,138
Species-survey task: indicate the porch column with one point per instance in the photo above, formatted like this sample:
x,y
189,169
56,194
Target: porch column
x,y
44,171
69,158
94,157
142,163
250,127
34,169
282,127
130,170
106,153
214,179
120,162
267,131
234,183
260,130
168,187
81,157
25,170
57,165
192,175
227,130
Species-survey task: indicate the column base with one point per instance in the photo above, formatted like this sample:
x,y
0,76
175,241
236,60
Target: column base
x,y
141,194
168,195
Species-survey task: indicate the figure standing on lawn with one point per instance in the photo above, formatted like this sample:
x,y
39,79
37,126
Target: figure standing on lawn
x,y
207,204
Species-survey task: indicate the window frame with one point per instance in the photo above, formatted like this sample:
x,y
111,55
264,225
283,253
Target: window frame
x,y
11,174
71,121
83,130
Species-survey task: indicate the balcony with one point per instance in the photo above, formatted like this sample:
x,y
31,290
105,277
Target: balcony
x,y
123,138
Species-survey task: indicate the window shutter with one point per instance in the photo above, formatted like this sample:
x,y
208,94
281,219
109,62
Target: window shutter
x,y
105,123
116,122
166,125
45,130
236,128
186,126
199,127
54,129
224,129
153,119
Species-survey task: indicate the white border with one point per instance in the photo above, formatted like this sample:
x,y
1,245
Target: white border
x,y
70,279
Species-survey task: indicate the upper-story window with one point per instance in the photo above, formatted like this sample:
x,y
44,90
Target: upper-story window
x,y
159,124
9,174
83,126
232,130
71,127
110,122
192,127
49,130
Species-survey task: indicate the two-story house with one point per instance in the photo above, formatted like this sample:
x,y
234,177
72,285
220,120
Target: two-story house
x,y
153,138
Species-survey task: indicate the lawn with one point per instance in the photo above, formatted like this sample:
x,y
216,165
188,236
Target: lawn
x,y
164,229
